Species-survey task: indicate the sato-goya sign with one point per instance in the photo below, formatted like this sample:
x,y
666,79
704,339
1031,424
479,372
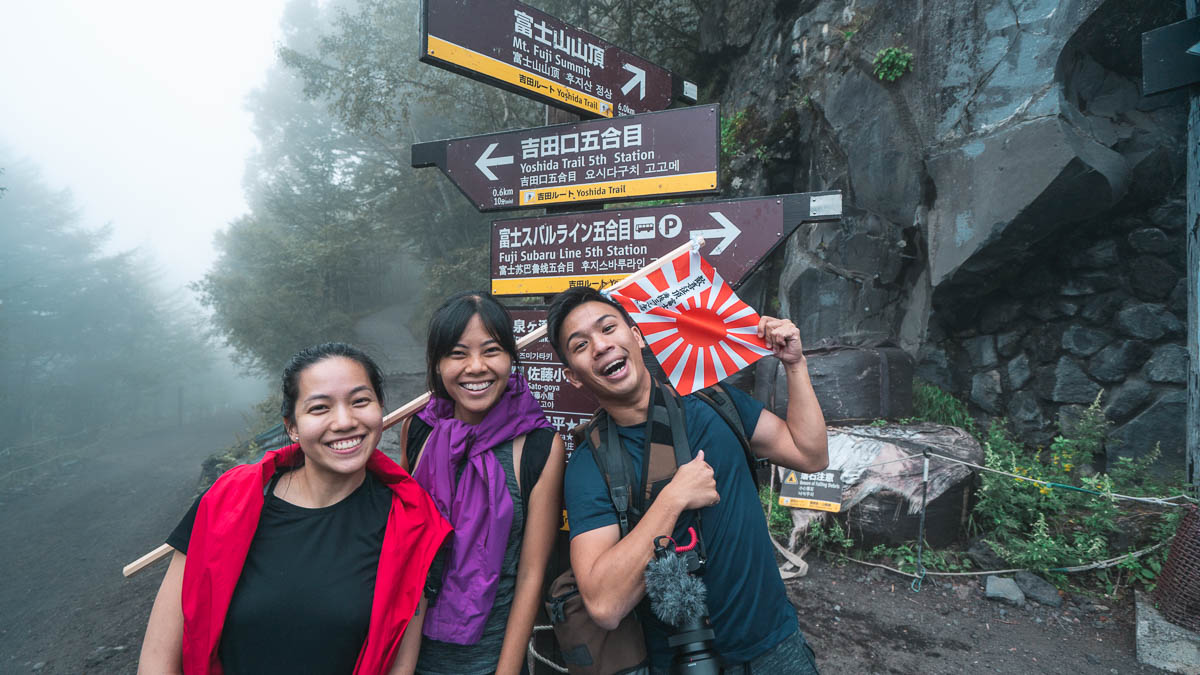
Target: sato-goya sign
x,y
564,405
550,253
820,491
669,153
524,50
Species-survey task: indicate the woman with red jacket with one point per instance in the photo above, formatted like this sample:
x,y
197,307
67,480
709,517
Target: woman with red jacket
x,y
312,559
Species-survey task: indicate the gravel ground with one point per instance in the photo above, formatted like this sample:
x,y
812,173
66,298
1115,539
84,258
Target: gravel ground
x,y
866,620
74,514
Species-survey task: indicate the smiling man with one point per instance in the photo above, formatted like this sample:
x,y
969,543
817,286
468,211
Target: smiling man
x,y
755,625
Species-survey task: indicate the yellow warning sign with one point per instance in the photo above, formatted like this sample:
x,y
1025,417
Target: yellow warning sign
x,y
791,478
814,504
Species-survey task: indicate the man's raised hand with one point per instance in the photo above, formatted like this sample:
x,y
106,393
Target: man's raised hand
x,y
783,338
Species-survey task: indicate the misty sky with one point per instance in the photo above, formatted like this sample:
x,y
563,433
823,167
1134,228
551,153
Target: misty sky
x,y
137,107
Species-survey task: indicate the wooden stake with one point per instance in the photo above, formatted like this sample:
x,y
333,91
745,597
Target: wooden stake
x,y
417,404
137,565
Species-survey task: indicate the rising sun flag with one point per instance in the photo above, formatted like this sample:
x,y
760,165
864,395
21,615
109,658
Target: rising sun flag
x,y
698,328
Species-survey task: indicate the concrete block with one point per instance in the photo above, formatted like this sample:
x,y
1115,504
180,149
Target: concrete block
x,y
1162,644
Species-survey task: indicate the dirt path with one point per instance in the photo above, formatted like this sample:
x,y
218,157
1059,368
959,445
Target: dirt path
x,y
862,621
70,518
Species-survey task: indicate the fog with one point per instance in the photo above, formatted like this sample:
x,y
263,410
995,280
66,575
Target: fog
x,y
137,108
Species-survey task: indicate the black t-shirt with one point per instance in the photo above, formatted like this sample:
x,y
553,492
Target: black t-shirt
x,y
303,601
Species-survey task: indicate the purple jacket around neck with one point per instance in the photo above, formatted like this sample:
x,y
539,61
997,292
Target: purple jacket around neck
x,y
477,504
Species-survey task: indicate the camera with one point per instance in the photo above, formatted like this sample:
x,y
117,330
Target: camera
x,y
677,597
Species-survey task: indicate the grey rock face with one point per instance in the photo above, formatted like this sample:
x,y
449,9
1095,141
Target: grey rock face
x,y
1018,372
1147,321
986,390
1101,255
983,556
1126,399
1117,360
1067,383
1100,308
1149,240
1152,278
1169,364
1082,341
1038,589
982,351
1024,411
1004,590
1008,343
1162,423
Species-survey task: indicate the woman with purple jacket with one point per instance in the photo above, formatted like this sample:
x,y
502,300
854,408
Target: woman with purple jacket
x,y
494,466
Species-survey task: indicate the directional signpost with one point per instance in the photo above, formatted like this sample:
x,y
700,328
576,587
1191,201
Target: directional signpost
x,y
524,50
548,254
564,405
667,153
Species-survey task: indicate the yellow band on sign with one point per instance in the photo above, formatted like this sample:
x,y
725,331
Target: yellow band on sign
x,y
814,504
486,65
548,285
620,189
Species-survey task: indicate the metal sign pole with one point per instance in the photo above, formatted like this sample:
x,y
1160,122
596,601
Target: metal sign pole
x,y
1193,273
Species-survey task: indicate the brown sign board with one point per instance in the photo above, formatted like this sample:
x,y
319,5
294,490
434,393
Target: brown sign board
x,y
669,153
1171,57
516,47
550,253
564,405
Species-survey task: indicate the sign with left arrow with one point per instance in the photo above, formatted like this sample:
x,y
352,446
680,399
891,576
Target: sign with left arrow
x,y
669,153
548,254
519,48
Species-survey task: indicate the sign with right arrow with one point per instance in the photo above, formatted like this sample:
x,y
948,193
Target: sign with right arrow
x,y
548,254
522,49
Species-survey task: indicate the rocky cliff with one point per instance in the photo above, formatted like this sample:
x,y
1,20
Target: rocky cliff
x,y
1014,206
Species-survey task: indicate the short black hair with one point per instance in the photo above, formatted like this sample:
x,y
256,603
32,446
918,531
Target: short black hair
x,y
451,319
564,303
304,358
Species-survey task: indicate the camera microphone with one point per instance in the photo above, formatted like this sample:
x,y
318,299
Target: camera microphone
x,y
679,599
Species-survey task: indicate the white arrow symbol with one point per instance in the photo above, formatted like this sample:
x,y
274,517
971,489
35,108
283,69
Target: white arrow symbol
x,y
486,161
728,232
638,80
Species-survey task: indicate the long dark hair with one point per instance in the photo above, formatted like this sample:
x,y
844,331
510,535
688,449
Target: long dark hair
x,y
315,354
451,319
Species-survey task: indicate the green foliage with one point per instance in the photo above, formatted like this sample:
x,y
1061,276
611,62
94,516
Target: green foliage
x,y
779,520
738,139
904,558
848,33
933,404
828,536
892,62
1064,524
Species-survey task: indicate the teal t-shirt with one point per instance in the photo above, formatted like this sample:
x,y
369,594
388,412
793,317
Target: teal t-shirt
x,y
747,601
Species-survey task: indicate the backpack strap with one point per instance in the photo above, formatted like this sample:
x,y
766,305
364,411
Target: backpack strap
x,y
722,403
533,459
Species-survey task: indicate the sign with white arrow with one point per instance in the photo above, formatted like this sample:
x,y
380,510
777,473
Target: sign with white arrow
x,y
669,153
514,46
548,254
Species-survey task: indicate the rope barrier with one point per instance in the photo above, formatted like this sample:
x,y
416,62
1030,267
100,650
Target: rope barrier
x,y
1102,564
539,657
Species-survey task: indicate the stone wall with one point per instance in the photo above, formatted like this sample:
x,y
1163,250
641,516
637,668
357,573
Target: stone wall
x,y
1013,206
1100,310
